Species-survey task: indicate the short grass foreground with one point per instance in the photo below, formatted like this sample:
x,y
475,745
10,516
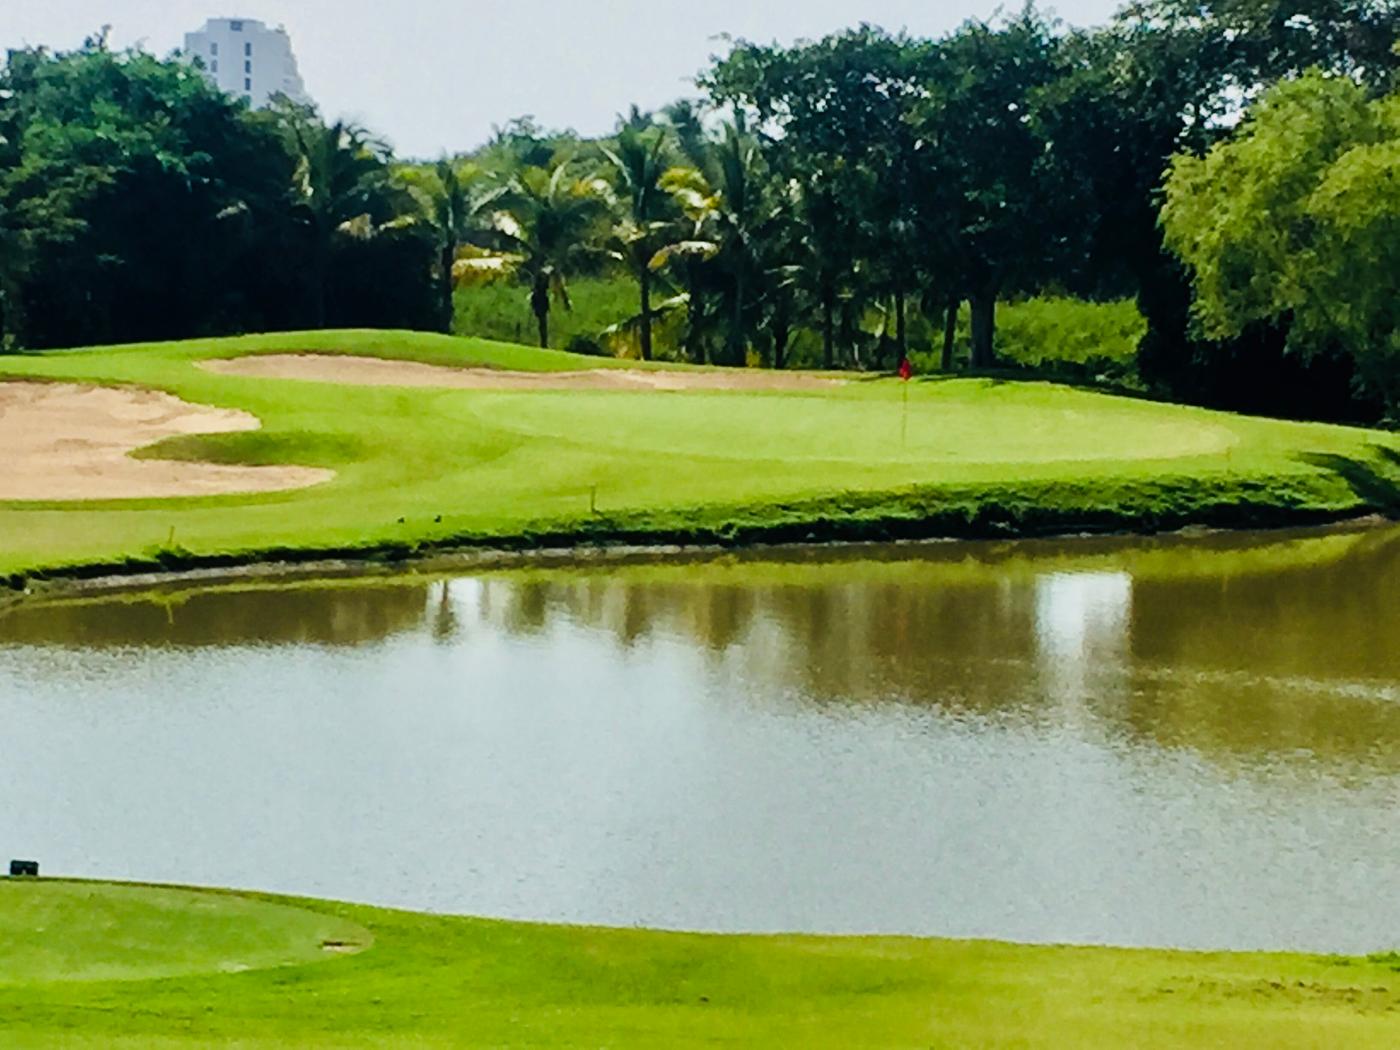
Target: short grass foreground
x,y
424,466
95,965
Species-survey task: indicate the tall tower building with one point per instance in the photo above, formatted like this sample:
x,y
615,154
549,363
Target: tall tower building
x,y
248,60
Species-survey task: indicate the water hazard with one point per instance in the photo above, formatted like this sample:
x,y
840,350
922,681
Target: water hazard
x,y
1187,742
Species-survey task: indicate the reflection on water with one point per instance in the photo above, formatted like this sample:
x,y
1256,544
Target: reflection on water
x,y
1187,742
325,614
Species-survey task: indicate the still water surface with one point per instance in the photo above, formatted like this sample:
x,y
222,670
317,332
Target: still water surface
x,y
1191,742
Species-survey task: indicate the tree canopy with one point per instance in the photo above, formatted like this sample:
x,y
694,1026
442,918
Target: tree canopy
x,y
138,202
1295,220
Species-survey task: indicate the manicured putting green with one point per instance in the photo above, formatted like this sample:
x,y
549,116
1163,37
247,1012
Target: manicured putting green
x,y
75,931
950,424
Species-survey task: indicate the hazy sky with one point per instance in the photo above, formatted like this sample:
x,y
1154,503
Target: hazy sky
x,y
434,75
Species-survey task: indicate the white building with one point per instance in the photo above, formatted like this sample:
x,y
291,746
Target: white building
x,y
247,59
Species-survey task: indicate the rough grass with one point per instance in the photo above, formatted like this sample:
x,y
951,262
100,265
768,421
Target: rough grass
x,y
431,981
424,468
501,311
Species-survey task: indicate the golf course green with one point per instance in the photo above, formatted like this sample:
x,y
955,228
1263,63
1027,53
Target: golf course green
x,y
96,965
406,469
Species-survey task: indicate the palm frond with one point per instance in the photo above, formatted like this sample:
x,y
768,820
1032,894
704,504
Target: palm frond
x,y
630,326
473,271
702,251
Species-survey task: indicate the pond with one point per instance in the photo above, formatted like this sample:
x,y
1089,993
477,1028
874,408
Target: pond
x,y
1187,742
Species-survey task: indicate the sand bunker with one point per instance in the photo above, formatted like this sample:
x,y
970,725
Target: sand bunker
x,y
64,441
378,371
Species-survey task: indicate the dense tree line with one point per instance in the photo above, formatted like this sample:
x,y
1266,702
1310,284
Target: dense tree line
x,y
857,193
137,202
1012,158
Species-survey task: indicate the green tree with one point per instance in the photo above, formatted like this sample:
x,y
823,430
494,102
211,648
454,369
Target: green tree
x,y
836,108
724,194
1167,76
824,251
644,217
12,248
341,188
919,165
742,188
524,143
1011,211
544,231
1295,221
689,256
458,198
124,186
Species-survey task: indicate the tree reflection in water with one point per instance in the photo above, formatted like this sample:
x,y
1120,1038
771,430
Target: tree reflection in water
x,y
1247,649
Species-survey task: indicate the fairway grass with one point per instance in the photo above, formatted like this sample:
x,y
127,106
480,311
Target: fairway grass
x,y
150,971
425,469
76,931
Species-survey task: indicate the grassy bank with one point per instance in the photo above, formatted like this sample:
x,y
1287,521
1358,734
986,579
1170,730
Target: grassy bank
x,y
421,469
92,965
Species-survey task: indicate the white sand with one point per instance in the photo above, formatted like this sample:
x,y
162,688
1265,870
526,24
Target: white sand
x,y
376,371
65,441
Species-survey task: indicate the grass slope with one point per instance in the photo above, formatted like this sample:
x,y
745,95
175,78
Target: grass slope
x,y
429,981
976,457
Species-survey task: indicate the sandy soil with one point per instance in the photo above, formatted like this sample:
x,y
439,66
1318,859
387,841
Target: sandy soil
x,y
64,441
377,371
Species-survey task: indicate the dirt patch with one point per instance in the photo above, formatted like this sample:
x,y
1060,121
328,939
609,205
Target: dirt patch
x,y
378,371
66,441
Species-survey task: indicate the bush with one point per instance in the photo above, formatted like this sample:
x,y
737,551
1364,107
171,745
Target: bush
x,y
1072,339
1045,331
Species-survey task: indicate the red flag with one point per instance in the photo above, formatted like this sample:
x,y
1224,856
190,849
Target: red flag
x,y
905,369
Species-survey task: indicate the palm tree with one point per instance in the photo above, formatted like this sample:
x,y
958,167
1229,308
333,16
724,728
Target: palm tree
x,y
741,186
725,198
458,199
782,241
639,164
340,188
699,204
540,233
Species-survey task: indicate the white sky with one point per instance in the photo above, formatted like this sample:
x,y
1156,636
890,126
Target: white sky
x,y
435,75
